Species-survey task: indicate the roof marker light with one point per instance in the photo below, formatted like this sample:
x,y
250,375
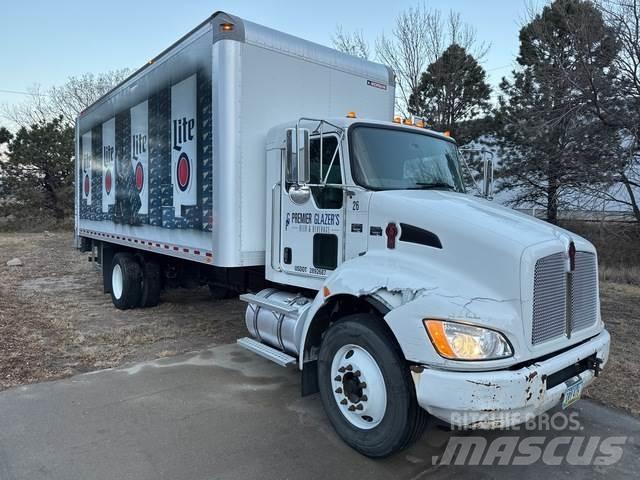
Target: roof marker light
x,y
447,133
226,27
351,115
407,121
396,119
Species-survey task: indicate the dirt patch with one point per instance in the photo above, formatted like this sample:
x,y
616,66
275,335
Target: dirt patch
x,y
55,321
619,384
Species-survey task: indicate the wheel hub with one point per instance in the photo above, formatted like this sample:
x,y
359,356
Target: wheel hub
x,y
351,386
358,386
117,281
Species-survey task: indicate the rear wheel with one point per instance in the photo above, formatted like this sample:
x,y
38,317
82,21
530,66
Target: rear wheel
x,y
366,388
126,281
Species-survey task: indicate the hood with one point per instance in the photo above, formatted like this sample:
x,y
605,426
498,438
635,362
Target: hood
x,y
475,214
480,241
469,259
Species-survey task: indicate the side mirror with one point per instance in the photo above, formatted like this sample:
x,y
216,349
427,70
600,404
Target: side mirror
x,y
297,154
487,183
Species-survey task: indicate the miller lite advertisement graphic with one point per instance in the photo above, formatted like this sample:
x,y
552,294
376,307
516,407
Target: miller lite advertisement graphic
x,y
184,144
140,152
152,161
86,167
108,164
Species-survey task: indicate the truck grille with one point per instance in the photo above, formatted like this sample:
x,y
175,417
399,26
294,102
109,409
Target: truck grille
x,y
584,292
554,290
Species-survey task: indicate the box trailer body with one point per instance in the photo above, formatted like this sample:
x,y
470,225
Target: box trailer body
x,y
270,167
177,150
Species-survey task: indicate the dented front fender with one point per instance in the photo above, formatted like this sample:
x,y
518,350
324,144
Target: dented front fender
x,y
413,291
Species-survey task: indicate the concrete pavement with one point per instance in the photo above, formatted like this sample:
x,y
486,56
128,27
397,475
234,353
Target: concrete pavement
x,y
226,414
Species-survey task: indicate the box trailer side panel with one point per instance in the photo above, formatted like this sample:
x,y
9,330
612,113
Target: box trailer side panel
x,y
173,160
276,85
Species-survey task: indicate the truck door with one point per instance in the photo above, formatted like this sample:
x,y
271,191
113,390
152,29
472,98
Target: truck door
x,y
313,231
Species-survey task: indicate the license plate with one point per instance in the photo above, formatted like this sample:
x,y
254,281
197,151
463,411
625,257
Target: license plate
x,y
572,394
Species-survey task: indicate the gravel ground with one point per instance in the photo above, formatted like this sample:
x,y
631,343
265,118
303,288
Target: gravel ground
x,y
55,321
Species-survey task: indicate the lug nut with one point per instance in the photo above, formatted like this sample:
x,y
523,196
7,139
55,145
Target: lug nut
x,y
359,406
362,385
338,378
349,367
352,408
357,373
343,401
341,369
364,398
339,390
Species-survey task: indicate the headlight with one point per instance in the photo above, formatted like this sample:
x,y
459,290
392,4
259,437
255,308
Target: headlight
x,y
458,341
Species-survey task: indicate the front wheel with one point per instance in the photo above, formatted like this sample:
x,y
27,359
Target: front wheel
x,y
366,388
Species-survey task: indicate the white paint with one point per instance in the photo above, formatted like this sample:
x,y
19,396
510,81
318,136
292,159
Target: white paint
x,y
117,281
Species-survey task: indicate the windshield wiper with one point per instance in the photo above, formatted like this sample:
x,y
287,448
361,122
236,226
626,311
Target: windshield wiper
x,y
429,185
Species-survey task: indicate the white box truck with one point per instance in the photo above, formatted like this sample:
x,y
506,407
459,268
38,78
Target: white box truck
x,y
271,167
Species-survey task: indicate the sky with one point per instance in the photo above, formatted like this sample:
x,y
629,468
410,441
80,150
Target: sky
x,y
46,41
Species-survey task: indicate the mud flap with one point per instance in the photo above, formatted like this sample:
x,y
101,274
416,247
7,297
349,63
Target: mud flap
x,y
309,383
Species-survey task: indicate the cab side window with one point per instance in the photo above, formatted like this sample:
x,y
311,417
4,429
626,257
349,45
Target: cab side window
x,y
326,197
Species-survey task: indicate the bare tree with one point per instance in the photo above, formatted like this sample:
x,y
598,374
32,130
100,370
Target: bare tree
x,y
419,37
33,110
623,110
352,43
65,101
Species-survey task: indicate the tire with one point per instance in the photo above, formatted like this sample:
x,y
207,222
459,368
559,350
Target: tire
x,y
126,281
151,283
221,293
372,359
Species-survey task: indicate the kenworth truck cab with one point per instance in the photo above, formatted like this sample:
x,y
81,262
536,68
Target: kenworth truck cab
x,y
233,160
415,297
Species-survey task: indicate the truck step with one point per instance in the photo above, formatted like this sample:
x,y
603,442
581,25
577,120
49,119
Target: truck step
x,y
270,353
266,304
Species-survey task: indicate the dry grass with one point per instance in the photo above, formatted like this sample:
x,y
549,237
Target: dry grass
x,y
618,243
619,384
618,246
55,321
620,274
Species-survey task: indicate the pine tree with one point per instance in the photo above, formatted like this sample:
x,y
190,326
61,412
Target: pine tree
x,y
452,91
5,135
39,168
551,140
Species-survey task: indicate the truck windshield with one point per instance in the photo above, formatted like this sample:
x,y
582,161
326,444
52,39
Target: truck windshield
x,y
396,159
